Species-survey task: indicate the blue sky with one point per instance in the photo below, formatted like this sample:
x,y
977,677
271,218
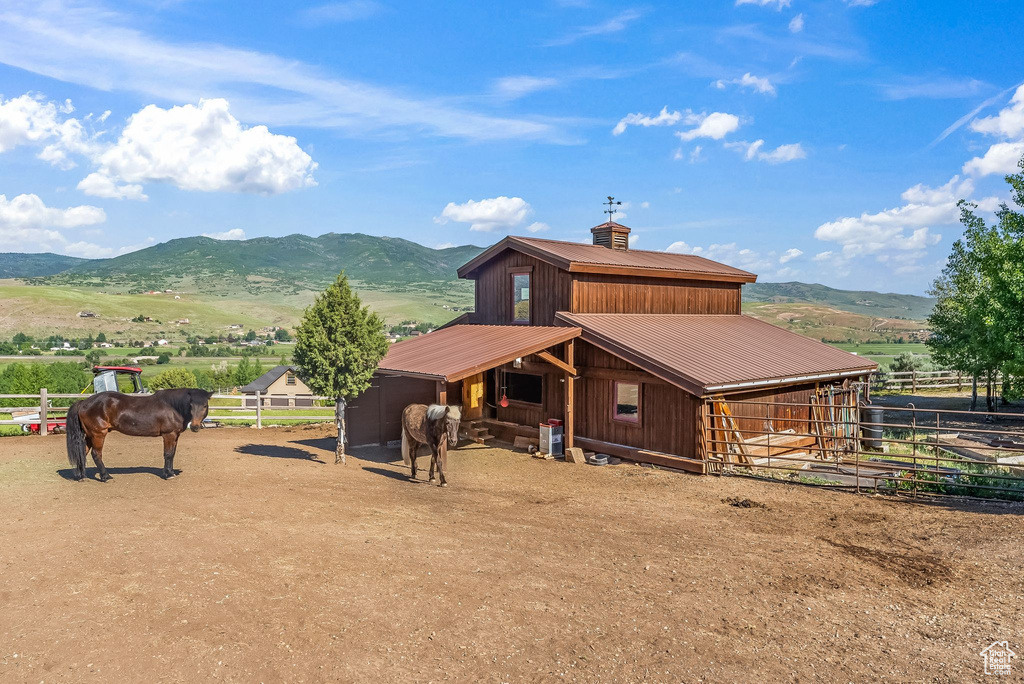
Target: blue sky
x,y
823,141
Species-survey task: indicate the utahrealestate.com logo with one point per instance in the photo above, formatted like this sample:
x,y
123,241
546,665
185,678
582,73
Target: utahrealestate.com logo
x,y
998,657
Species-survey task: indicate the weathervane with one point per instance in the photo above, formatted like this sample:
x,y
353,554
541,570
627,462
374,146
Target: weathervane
x,y
611,208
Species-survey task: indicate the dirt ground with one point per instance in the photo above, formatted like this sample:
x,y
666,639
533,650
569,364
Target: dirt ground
x,y
262,562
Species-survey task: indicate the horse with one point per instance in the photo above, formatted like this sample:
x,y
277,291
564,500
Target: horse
x,y
165,413
436,426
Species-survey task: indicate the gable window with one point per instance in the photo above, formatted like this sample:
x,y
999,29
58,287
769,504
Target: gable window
x,y
520,297
525,388
626,398
290,379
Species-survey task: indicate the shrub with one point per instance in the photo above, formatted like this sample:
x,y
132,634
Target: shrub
x,y
172,378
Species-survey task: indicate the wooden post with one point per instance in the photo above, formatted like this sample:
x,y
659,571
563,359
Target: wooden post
x,y
913,381
44,426
570,396
259,411
442,393
339,422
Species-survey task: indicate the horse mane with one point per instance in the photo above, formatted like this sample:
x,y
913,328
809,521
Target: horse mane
x,y
435,412
178,399
455,412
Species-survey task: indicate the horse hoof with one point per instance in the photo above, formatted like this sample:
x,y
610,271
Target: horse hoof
x,y
443,484
105,478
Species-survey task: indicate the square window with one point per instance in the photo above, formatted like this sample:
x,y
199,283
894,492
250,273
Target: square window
x,y
520,297
626,396
290,379
524,387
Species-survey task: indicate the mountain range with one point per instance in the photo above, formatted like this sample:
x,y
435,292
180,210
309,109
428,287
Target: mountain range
x,y
300,263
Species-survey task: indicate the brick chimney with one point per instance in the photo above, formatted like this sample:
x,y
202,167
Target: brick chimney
x,y
611,235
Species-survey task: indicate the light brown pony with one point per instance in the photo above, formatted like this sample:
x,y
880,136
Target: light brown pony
x,y
436,426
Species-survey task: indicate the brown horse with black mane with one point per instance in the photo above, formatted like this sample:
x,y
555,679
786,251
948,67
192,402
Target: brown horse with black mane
x,y
436,426
166,413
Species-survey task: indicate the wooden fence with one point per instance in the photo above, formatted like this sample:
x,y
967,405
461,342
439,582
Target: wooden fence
x,y
36,410
914,381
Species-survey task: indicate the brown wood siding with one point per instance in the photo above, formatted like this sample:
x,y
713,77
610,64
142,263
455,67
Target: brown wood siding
x,y
375,416
668,415
549,290
596,293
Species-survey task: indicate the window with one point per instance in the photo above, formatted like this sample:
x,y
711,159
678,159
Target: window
x,y
627,402
524,388
290,379
520,297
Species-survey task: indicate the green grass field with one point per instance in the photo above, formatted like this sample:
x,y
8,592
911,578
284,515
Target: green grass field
x,y
42,310
884,354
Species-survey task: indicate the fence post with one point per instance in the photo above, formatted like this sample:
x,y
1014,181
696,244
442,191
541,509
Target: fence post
x,y
259,411
913,381
43,419
959,382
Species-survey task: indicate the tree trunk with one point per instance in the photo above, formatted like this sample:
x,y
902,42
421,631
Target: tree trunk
x,y
339,422
989,398
974,391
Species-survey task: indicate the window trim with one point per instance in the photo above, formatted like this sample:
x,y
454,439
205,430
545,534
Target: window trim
x,y
639,403
519,402
512,294
290,380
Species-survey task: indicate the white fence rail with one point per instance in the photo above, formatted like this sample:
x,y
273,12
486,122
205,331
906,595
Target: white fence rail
x,y
36,413
914,381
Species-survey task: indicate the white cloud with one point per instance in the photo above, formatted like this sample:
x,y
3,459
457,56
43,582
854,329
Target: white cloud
x,y
98,185
777,4
26,222
29,119
860,3
514,87
645,205
1008,124
88,250
620,22
233,234
336,12
444,245
780,155
789,255
489,214
715,125
664,118
205,148
796,24
748,80
538,227
97,47
885,232
733,255
633,239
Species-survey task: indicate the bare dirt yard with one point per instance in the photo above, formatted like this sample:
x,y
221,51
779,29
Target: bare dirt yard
x,y
265,562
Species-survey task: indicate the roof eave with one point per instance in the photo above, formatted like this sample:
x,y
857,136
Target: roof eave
x,y
508,242
580,267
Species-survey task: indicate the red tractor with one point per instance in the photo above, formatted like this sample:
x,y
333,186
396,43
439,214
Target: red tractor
x,y
105,379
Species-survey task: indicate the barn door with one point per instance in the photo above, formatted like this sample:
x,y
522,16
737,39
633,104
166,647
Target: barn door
x,y
473,397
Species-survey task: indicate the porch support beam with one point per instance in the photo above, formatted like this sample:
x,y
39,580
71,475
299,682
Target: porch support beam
x,y
557,362
570,393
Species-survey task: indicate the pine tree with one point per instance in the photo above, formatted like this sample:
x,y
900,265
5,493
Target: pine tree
x,y
338,346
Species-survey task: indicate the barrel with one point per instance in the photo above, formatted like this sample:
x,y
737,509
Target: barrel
x,y
871,435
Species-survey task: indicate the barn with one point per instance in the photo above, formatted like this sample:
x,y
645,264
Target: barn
x,y
629,348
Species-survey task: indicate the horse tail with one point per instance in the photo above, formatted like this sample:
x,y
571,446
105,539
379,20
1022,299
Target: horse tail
x,y
76,439
406,447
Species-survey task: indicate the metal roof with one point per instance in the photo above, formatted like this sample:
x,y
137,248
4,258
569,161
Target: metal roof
x,y
262,383
711,353
460,351
586,258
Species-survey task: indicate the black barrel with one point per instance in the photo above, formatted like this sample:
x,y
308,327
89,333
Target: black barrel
x,y
871,435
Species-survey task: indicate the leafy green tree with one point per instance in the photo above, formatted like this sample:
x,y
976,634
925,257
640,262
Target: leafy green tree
x,y
244,372
172,378
978,320
250,336
101,338
281,335
165,357
338,346
94,357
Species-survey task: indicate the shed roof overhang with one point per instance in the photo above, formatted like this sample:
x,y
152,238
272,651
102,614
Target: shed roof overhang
x,y
454,353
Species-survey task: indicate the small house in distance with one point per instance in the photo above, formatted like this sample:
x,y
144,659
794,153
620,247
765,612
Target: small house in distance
x,y
629,348
279,386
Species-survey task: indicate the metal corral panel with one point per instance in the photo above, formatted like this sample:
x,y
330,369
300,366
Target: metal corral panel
x,y
706,354
457,352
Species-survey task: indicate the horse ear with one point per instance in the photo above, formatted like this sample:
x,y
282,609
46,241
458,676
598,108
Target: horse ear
x,y
447,410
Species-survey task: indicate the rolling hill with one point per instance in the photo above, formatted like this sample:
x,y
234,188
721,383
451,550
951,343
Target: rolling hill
x,y
887,305
282,265
17,265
